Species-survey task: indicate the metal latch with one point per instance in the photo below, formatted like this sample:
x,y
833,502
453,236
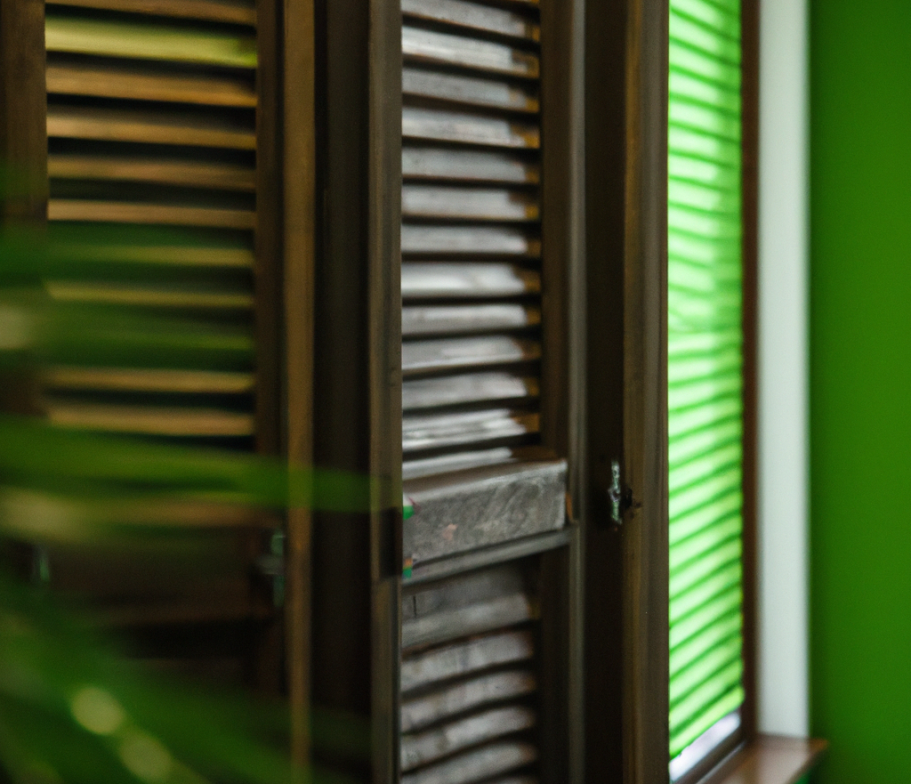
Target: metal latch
x,y
620,498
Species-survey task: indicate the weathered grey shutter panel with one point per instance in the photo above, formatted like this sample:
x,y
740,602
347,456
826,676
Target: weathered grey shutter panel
x,y
472,278
469,678
152,134
480,695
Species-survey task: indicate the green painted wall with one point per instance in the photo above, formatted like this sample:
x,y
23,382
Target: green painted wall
x,y
860,284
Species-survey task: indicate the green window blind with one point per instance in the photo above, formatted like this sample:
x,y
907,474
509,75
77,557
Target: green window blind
x,y
704,377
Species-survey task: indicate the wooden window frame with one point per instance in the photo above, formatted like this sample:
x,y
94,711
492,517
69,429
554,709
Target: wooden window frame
x,y
628,568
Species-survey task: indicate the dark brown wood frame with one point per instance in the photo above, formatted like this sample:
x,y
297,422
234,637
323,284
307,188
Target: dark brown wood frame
x,y
626,621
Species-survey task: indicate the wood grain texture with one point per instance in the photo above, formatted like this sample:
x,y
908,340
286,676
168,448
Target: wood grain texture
x,y
470,388
169,297
150,420
473,16
433,163
431,745
464,658
476,204
134,84
146,380
538,544
141,40
469,90
495,613
456,353
466,695
208,10
445,49
483,507
470,279
644,466
438,431
145,127
296,127
385,397
23,147
770,759
160,171
476,765
445,125
469,240
420,320
84,210
458,461
165,255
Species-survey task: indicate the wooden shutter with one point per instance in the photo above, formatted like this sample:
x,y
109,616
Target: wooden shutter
x,y
153,150
486,256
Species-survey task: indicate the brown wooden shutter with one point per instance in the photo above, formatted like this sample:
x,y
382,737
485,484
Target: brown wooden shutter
x,y
153,134
487,259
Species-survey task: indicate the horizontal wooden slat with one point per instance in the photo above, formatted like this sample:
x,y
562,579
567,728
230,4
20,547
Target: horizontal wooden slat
x,y
140,40
463,590
474,280
477,765
210,10
458,461
148,214
429,746
502,552
464,658
483,204
135,85
153,170
144,127
23,513
473,16
463,696
467,128
455,390
148,420
480,240
170,297
165,255
485,506
468,90
146,380
433,163
443,48
462,319
463,622
430,355
443,430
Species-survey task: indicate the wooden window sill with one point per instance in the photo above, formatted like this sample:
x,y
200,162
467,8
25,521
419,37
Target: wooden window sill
x,y
770,759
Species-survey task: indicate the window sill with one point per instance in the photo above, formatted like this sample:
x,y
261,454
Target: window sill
x,y
770,759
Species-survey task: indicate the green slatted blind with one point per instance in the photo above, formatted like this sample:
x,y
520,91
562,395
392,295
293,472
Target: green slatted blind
x,y
704,373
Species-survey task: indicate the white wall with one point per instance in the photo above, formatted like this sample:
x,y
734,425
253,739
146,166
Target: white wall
x,y
783,372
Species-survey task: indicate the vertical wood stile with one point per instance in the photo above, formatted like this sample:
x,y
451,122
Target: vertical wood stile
x,y
645,545
298,49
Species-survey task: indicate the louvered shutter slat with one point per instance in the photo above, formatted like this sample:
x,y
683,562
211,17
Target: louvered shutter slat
x,y
152,160
143,84
230,12
464,717
432,163
704,372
